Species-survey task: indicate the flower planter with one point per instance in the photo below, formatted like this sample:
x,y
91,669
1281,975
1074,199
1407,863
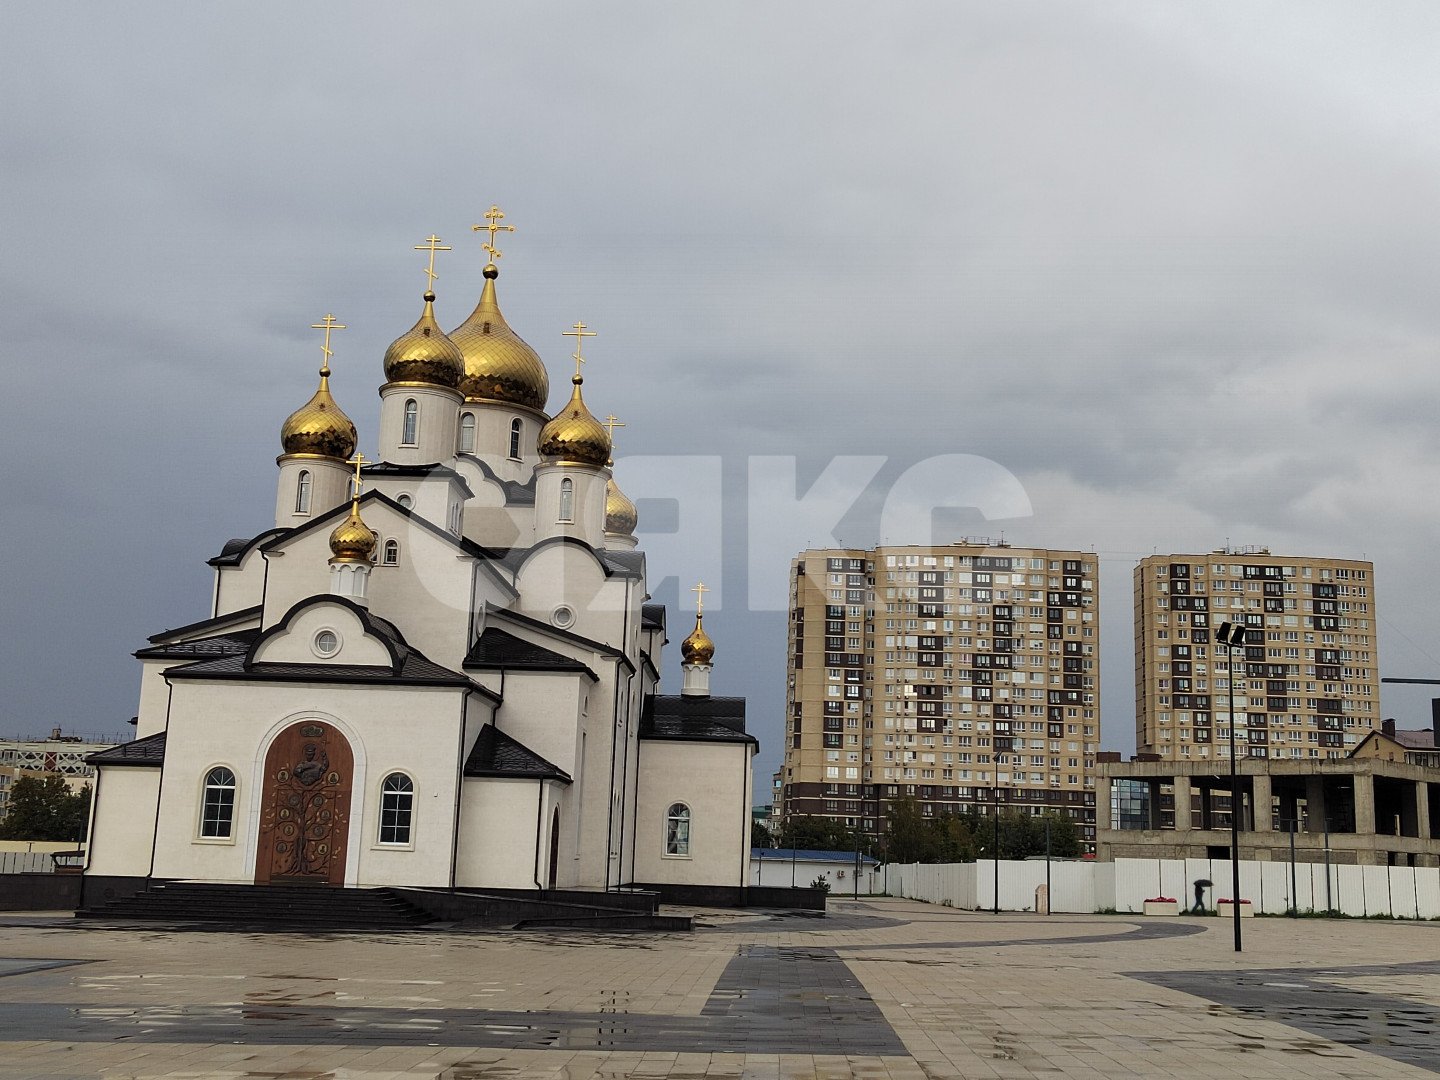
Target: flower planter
x,y
1247,909
1162,907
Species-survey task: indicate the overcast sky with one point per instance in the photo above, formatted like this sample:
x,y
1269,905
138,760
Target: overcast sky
x,y
1170,267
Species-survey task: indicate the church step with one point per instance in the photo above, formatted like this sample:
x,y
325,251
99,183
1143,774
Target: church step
x,y
251,904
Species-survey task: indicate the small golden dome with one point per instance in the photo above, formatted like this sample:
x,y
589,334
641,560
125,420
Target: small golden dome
x,y
423,354
499,365
698,648
319,427
353,541
620,515
575,435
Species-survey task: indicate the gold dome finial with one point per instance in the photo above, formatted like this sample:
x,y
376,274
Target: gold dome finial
x,y
698,648
423,354
319,426
352,541
573,434
621,517
499,365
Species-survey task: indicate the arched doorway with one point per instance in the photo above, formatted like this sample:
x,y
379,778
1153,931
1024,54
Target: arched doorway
x,y
305,807
554,846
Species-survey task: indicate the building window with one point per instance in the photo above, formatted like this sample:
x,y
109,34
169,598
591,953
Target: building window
x,y
326,643
406,501
567,499
467,433
302,492
412,423
515,438
391,556
217,813
397,808
677,830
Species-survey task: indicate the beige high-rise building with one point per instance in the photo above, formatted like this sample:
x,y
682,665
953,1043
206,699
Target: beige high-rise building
x,y
1308,686
961,675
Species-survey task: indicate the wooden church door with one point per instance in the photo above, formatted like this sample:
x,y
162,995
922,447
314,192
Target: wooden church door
x,y
305,807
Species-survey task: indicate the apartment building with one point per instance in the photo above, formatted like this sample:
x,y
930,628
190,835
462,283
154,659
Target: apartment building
x,y
1307,686
961,675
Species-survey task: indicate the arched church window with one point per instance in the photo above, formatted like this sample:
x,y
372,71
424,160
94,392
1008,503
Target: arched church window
x,y
567,499
397,808
467,433
217,811
302,492
390,555
677,830
515,428
411,427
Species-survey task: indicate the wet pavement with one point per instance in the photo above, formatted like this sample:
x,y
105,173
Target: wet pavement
x,y
878,989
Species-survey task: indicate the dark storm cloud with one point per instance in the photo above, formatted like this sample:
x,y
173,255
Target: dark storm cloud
x,y
1170,265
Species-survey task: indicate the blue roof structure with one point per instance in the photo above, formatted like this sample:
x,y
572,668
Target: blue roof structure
x,y
802,855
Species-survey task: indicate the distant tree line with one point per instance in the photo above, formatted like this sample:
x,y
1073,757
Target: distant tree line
x,y
44,808
912,837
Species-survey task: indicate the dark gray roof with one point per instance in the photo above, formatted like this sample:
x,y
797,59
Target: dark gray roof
x,y
234,550
652,617
422,472
325,519
516,493
148,752
415,670
233,643
1424,739
503,651
497,754
556,632
695,719
220,620
625,563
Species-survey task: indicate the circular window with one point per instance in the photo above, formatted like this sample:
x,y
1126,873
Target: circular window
x,y
326,643
405,501
563,616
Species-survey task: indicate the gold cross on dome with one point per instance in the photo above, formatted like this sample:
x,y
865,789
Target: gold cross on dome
x,y
493,216
327,324
700,590
432,242
579,333
358,484
611,423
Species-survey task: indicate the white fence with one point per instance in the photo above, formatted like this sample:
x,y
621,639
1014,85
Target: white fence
x,y
26,862
1125,884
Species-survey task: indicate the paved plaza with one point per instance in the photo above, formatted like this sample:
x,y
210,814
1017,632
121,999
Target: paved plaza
x,y
877,989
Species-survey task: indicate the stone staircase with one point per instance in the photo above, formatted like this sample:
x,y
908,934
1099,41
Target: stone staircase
x,y
301,907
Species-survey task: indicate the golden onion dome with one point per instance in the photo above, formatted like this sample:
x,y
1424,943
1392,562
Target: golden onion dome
x,y
352,540
698,648
319,427
423,354
499,365
575,435
620,515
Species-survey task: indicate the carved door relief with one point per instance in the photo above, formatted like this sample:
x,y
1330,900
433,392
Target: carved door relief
x,y
305,807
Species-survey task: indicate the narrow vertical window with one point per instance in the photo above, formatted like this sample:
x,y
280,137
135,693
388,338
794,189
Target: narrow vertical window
x,y
412,423
391,556
302,492
567,499
217,812
397,807
515,438
467,433
677,830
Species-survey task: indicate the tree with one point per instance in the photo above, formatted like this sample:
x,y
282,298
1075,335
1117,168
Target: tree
x,y
820,834
909,837
43,808
760,835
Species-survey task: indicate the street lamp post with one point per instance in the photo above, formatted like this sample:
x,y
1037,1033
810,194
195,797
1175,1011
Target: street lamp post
x,y
1232,636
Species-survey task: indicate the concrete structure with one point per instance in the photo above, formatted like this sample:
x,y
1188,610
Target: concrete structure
x,y
1308,690
783,868
960,675
451,680
1364,810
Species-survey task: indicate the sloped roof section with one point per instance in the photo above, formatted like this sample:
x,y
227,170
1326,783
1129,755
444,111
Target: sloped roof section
x,y
652,617
420,472
498,754
516,493
235,642
219,621
498,650
148,752
234,550
695,719
415,670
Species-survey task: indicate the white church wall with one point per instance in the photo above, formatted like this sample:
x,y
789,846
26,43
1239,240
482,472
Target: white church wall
x,y
541,710
154,697
295,643
120,842
492,438
498,819
437,423
566,575
240,587
488,520
706,778
230,724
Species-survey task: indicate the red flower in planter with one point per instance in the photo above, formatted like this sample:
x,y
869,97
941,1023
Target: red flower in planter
x,y
1224,900
1161,900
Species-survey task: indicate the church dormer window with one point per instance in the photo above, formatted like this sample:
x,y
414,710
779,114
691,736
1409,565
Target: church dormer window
x,y
217,810
397,808
326,643
302,492
411,426
467,433
390,555
515,428
677,830
567,499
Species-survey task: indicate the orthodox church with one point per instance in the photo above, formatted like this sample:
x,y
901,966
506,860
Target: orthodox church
x,y
437,669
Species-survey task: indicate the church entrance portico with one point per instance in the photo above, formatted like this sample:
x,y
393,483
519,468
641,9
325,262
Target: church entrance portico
x,y
305,807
